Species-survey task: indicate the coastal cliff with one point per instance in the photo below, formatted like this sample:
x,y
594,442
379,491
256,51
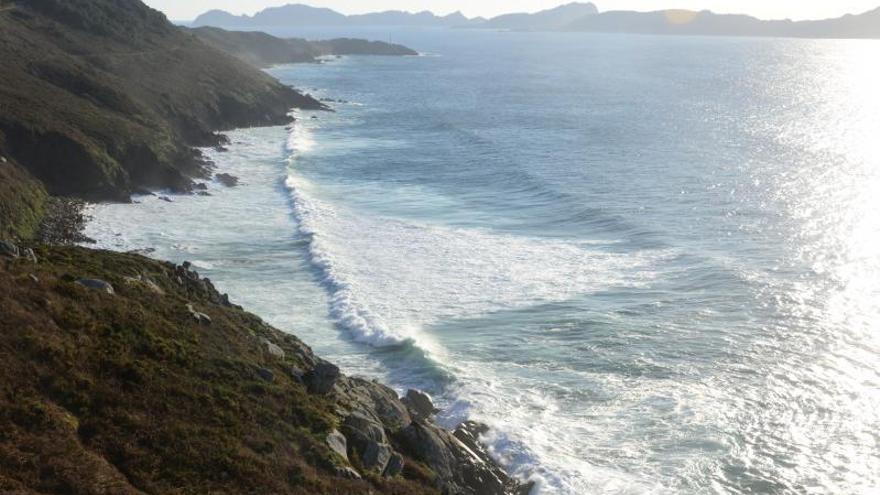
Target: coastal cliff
x,y
123,374
99,97
129,375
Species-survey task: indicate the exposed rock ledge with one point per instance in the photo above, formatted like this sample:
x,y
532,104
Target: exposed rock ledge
x,y
128,375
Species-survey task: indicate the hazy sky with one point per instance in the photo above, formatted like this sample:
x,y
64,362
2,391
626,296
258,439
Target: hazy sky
x,y
776,9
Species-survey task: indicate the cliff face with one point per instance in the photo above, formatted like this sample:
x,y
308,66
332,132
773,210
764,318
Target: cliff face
x,y
99,97
127,375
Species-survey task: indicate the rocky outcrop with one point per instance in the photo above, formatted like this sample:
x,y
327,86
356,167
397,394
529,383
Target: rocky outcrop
x,y
420,404
321,379
382,430
227,180
460,469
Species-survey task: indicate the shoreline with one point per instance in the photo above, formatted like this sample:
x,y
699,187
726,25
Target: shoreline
x,y
472,430
364,432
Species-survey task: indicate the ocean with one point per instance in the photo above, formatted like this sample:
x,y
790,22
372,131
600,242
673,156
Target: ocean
x,y
650,264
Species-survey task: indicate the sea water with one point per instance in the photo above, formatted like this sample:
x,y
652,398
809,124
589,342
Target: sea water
x,y
651,264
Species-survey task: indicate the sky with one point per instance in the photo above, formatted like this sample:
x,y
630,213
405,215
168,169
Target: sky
x,y
765,9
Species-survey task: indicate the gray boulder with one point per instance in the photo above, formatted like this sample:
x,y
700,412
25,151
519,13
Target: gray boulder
x,y
419,404
272,349
361,430
95,284
337,443
376,456
321,378
373,399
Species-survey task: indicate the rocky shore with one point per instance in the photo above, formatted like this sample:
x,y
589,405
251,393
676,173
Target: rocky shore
x,y
125,375
129,375
63,222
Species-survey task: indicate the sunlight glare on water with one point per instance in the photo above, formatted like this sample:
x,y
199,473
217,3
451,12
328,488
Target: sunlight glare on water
x,y
651,264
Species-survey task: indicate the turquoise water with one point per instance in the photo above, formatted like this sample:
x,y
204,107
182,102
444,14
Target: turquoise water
x,y
651,264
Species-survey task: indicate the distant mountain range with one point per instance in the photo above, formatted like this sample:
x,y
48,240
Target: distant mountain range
x,y
298,15
570,17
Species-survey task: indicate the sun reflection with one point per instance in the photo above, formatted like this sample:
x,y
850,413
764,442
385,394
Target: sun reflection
x,y
679,16
850,247
832,195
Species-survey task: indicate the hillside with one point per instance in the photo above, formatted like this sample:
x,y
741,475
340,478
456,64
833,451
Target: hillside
x,y
126,375
545,20
299,15
101,97
263,50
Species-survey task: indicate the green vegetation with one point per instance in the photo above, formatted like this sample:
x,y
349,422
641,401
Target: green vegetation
x,y
22,200
128,393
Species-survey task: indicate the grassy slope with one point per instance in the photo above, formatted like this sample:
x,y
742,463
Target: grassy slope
x,y
98,97
22,199
126,393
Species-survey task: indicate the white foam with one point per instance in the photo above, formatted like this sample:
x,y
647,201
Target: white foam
x,y
391,277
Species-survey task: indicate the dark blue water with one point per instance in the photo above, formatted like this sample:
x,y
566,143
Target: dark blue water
x,y
651,264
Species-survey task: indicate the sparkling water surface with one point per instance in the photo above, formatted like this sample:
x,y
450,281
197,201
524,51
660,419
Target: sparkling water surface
x,y
652,264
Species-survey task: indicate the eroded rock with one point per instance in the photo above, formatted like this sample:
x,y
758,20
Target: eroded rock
x,y
337,443
376,456
373,399
419,404
227,180
96,284
461,469
360,430
272,349
322,377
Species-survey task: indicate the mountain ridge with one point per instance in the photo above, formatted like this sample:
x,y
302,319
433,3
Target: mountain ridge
x,y
300,15
572,17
